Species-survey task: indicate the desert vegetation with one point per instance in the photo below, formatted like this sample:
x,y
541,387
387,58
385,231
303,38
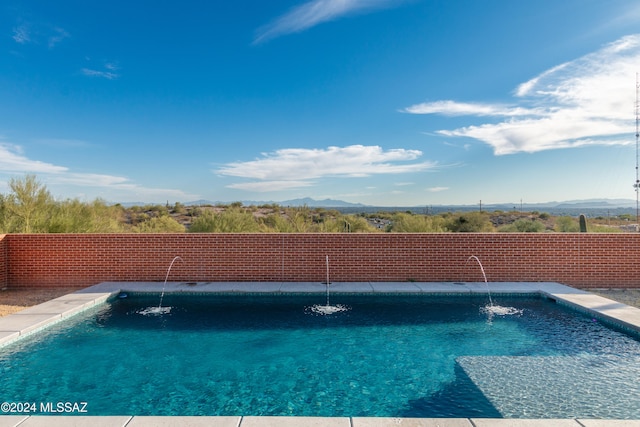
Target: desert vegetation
x,y
29,207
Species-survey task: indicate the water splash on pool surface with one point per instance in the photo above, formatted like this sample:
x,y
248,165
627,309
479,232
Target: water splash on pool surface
x,y
498,310
324,310
328,309
154,311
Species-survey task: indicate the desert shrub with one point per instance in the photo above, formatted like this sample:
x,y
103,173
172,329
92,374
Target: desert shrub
x,y
160,224
409,223
345,224
232,220
74,216
178,208
471,222
300,218
523,225
359,224
566,224
603,229
276,223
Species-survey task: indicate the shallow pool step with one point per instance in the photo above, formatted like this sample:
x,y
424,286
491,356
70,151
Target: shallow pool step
x,y
582,386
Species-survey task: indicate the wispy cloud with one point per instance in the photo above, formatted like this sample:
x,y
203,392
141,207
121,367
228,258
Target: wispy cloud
x,y
266,186
437,189
33,33
300,167
21,34
452,108
14,161
316,12
108,71
588,101
59,34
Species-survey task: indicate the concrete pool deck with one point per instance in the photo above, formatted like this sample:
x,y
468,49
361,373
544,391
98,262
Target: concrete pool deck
x,y
30,320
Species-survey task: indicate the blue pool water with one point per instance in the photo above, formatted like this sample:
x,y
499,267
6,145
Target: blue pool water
x,y
393,356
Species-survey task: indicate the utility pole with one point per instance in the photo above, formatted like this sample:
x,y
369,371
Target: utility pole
x,y
637,183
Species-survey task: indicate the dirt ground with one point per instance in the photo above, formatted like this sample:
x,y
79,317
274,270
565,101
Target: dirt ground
x,y
13,300
625,296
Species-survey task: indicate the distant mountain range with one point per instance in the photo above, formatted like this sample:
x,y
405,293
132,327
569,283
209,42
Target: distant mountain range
x,y
332,203
306,201
569,207
572,204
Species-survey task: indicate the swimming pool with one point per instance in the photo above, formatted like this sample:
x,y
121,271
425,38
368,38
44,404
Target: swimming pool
x,y
388,355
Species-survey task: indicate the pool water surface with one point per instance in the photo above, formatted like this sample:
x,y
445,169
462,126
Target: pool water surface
x,y
391,356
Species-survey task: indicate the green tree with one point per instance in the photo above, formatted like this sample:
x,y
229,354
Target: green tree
x,y
28,205
3,214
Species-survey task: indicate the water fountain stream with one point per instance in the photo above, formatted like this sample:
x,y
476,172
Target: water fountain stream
x,y
328,308
484,276
492,309
160,309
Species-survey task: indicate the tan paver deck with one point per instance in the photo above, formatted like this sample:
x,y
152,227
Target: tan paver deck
x,y
140,421
32,319
35,318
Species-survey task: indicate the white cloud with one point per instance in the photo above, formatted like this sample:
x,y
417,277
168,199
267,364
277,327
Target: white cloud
x,y
437,189
13,162
313,13
298,167
452,108
266,186
588,101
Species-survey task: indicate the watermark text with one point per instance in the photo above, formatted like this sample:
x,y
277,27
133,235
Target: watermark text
x,y
43,407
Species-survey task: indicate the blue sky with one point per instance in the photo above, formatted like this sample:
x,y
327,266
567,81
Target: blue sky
x,y
381,102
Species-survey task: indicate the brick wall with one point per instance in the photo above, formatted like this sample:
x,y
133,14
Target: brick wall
x,y
4,268
580,259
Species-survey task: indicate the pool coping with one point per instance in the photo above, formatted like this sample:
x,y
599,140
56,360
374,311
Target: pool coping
x,y
33,319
